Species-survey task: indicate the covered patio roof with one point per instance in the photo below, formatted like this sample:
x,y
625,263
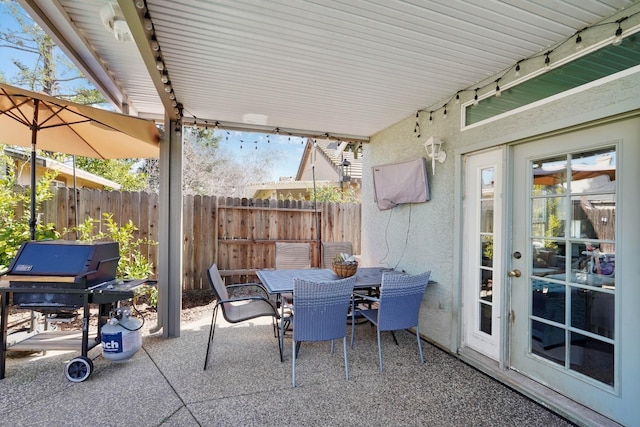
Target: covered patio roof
x,y
343,68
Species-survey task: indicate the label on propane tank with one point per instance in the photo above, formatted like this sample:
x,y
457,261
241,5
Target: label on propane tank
x,y
112,343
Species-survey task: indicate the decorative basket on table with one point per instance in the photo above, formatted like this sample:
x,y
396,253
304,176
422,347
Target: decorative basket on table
x,y
344,265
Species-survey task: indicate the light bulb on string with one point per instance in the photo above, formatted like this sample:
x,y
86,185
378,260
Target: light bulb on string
x,y
579,45
457,97
547,60
617,39
445,111
475,98
498,91
518,69
430,117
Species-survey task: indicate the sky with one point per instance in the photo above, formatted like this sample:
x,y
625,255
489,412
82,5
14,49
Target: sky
x,y
286,151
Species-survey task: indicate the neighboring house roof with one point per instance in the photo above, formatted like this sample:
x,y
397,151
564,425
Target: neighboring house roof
x,y
334,152
327,157
65,172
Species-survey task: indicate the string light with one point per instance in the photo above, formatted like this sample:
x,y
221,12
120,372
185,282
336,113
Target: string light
x,y
416,128
617,39
579,45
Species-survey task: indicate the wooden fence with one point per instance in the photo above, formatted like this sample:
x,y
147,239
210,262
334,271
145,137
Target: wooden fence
x,y
239,235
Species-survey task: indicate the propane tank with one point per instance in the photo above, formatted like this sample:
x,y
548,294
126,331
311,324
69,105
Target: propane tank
x,y
121,336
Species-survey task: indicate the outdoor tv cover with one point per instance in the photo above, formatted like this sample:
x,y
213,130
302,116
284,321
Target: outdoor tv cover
x,y
398,183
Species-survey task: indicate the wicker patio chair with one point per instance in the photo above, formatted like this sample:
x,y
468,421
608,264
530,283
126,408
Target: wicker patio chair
x,y
321,314
292,256
331,249
398,306
239,309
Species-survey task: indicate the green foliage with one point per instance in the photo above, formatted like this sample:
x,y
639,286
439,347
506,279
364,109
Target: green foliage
x,y
133,264
14,230
329,193
117,170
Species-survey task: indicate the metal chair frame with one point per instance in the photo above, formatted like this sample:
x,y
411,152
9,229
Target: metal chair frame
x,y
253,306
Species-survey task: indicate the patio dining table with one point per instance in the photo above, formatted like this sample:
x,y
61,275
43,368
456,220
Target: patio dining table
x,y
280,282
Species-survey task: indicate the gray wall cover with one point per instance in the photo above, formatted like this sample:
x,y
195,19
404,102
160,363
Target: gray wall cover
x,y
398,183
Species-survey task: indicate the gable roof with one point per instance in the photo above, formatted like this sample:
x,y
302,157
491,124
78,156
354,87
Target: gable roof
x,y
334,152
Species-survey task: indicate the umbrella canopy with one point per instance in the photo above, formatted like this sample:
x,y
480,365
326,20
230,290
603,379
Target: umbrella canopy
x,y
66,127
41,121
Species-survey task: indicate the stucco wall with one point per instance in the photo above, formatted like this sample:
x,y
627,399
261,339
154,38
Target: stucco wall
x,y
421,237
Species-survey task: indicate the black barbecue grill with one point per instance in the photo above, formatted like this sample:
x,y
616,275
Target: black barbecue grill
x,y
61,264
61,276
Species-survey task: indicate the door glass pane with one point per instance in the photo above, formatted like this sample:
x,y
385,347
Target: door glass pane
x,y
548,216
548,301
573,212
488,176
550,176
486,216
485,318
548,341
592,357
486,285
548,258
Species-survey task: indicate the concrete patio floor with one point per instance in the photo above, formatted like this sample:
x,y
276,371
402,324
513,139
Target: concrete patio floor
x,y
246,385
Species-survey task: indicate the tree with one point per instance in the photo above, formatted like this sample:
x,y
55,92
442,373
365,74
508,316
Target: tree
x,y
211,169
117,170
14,229
41,66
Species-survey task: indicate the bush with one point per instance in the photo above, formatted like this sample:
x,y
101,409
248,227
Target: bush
x,y
14,230
133,264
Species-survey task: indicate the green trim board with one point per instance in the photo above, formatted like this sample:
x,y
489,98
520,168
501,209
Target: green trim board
x,y
588,68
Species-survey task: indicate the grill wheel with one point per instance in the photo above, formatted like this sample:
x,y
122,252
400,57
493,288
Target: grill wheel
x,y
78,369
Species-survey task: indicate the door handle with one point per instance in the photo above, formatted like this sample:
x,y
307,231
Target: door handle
x,y
514,273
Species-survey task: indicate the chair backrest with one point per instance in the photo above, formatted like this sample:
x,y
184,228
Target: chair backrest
x,y
400,299
321,309
292,256
331,249
217,285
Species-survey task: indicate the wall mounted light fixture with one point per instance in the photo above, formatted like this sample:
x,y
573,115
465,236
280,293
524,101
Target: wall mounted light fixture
x,y
433,146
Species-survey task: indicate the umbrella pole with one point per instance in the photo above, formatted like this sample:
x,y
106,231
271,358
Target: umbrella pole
x,y
75,195
34,136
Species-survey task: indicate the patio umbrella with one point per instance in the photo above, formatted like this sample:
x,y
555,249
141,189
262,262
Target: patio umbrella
x,y
41,121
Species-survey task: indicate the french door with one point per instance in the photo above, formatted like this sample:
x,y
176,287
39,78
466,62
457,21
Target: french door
x,y
573,266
